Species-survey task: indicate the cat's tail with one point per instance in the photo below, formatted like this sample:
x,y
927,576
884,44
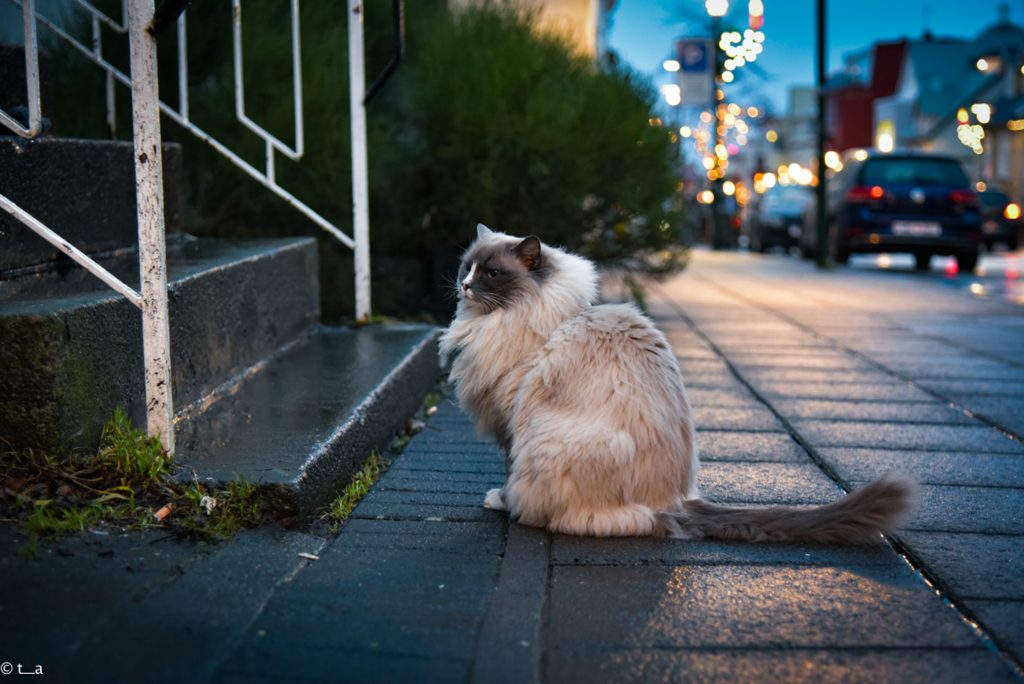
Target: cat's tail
x,y
856,519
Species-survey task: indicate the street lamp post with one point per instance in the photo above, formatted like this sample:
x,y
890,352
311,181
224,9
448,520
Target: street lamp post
x,y
716,9
824,249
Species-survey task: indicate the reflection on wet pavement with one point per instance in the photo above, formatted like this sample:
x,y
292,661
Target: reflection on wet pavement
x,y
998,274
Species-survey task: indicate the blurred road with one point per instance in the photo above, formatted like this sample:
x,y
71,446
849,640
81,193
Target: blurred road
x,y
999,275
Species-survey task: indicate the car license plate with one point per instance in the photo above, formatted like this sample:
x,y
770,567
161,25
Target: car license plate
x,y
916,228
990,227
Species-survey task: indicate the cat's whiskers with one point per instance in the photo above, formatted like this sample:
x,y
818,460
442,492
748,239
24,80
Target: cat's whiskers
x,y
452,286
488,300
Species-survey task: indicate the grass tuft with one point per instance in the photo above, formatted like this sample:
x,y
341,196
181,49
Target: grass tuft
x,y
126,481
341,508
139,460
218,513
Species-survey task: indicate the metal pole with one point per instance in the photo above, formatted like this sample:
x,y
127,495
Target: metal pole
x,y
822,211
35,115
63,245
718,235
360,182
35,111
156,339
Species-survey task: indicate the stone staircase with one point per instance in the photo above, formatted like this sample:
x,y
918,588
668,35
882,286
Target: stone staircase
x,y
262,390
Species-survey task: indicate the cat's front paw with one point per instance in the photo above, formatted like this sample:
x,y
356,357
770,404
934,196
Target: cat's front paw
x,y
494,501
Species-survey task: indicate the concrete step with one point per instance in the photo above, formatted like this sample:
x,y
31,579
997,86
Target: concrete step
x,y
82,189
71,349
306,419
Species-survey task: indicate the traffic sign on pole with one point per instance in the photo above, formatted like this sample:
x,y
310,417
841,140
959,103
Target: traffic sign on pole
x,y
696,60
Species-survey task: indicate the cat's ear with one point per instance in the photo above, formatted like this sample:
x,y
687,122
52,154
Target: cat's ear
x,y
528,252
483,231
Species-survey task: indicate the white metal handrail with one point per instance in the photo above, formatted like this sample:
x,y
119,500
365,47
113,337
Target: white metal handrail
x,y
360,173
149,194
272,142
78,255
152,295
99,15
35,116
266,177
137,21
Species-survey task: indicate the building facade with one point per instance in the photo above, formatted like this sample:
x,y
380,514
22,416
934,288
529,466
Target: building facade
x,y
962,98
582,24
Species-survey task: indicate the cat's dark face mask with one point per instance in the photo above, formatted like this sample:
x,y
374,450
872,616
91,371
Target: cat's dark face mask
x,y
495,274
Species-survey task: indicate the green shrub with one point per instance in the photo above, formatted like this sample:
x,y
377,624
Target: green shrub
x,y
485,121
518,133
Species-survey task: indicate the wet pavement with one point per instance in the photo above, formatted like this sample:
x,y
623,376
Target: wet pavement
x,y
1000,274
803,383
874,370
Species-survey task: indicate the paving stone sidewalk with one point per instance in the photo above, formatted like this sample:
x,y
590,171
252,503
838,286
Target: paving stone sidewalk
x,y
794,395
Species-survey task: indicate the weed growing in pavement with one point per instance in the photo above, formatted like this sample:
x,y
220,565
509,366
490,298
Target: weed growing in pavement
x,y
128,483
339,510
213,513
434,396
139,460
364,478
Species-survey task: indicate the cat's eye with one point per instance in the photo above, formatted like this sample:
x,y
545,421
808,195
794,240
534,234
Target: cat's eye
x,y
492,273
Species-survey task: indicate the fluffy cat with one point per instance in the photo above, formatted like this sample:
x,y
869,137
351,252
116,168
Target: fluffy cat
x,y
589,406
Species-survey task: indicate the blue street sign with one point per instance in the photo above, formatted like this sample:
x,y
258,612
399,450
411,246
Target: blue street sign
x,y
694,56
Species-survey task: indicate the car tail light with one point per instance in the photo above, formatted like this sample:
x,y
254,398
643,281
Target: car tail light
x,y
967,198
1012,211
853,231
863,193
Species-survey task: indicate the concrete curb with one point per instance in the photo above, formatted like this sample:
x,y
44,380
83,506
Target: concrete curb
x,y
370,427
509,646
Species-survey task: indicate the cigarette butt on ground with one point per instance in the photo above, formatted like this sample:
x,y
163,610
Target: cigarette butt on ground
x,y
163,512
309,556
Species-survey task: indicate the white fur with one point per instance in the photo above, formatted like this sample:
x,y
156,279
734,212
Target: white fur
x,y
587,401
589,405
469,276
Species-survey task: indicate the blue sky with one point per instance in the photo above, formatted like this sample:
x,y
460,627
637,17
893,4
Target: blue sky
x,y
643,32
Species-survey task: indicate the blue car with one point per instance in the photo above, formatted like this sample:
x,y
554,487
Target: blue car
x,y
903,202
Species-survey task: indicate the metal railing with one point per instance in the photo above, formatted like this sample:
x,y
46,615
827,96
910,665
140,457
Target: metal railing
x,y
35,117
152,295
180,114
137,23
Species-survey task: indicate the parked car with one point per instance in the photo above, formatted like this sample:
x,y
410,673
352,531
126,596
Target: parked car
x,y
1000,219
778,220
902,202
704,222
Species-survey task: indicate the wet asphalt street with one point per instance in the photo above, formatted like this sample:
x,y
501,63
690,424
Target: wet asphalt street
x,y
999,275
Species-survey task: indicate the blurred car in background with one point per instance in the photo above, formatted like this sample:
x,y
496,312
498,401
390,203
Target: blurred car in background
x,y
901,202
1000,219
703,220
778,219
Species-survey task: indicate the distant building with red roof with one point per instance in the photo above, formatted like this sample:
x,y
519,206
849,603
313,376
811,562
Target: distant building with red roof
x,y
963,98
868,76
